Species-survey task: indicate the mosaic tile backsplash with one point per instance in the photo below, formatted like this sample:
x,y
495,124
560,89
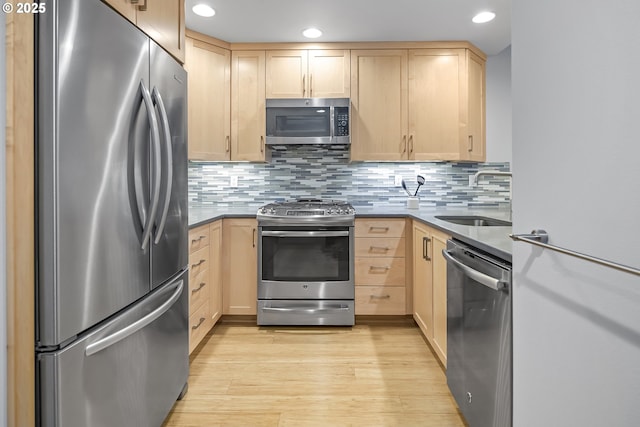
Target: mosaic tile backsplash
x,y
325,172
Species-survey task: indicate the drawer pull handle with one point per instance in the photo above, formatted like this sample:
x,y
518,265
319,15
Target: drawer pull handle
x,y
378,248
198,239
199,263
378,267
202,285
380,296
373,228
199,323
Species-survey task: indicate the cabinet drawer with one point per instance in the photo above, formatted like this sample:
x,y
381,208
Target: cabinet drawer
x,y
198,326
198,238
380,271
198,262
379,228
198,290
387,300
380,247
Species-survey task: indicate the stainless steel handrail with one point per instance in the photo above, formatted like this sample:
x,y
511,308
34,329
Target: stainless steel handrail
x,y
541,237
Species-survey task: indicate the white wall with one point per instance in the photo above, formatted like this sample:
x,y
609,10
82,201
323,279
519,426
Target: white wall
x,y
499,106
576,171
3,239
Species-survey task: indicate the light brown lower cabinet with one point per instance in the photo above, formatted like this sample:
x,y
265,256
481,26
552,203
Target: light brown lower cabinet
x,y
380,274
240,274
205,290
430,286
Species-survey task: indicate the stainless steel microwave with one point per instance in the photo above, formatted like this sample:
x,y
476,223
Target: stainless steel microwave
x,y
308,121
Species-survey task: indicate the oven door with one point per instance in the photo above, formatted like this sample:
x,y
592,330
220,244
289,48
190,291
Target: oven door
x,y
306,263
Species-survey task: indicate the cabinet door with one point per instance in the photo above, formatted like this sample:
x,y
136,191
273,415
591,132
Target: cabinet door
x,y
434,103
475,106
286,74
209,70
329,74
163,21
422,279
248,124
240,271
379,104
439,243
124,7
215,272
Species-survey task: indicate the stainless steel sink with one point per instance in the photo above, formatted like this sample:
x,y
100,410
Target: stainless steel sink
x,y
474,221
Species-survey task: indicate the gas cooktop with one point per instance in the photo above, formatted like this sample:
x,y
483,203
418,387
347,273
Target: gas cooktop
x,y
307,210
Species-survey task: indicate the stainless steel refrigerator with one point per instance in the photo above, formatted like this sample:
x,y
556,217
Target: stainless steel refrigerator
x,y
111,300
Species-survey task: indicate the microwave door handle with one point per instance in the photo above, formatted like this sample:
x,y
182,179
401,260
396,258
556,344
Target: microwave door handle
x,y
331,123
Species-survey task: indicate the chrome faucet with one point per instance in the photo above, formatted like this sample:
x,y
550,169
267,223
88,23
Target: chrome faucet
x,y
473,181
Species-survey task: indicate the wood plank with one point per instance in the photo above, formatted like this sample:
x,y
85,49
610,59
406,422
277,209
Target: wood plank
x,y
368,374
20,219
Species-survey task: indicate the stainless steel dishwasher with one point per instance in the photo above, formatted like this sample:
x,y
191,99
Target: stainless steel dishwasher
x,y
479,350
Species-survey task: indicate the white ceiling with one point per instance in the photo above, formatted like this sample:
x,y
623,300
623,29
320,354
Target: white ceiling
x,y
239,21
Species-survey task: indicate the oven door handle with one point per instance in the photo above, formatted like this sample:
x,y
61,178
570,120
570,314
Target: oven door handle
x,y
488,281
307,310
270,233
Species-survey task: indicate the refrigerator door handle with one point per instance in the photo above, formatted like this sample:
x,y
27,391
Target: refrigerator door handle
x,y
157,170
164,120
134,327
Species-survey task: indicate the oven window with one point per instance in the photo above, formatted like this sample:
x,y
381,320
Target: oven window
x,y
310,259
298,122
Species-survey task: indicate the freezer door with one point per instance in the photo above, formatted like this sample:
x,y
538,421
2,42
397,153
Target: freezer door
x,y
93,151
128,372
169,252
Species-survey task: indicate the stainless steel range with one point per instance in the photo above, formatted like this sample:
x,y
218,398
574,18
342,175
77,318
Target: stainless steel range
x,y
306,263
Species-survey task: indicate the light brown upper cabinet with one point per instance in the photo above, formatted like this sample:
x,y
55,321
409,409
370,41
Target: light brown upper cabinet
x,y
379,104
162,20
476,108
307,74
418,104
209,70
125,7
248,122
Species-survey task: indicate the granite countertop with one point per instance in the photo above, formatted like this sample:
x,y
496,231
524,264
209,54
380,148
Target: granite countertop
x,y
494,240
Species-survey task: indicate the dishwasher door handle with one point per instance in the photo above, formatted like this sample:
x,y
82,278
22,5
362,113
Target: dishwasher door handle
x,y
488,281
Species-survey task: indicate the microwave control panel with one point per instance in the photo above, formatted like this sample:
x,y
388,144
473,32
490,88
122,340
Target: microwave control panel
x,y
342,121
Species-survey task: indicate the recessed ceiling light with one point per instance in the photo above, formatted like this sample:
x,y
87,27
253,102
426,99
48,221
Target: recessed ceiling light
x,y
203,10
483,17
312,33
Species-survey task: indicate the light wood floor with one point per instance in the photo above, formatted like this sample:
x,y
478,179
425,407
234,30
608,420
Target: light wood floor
x,y
370,375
